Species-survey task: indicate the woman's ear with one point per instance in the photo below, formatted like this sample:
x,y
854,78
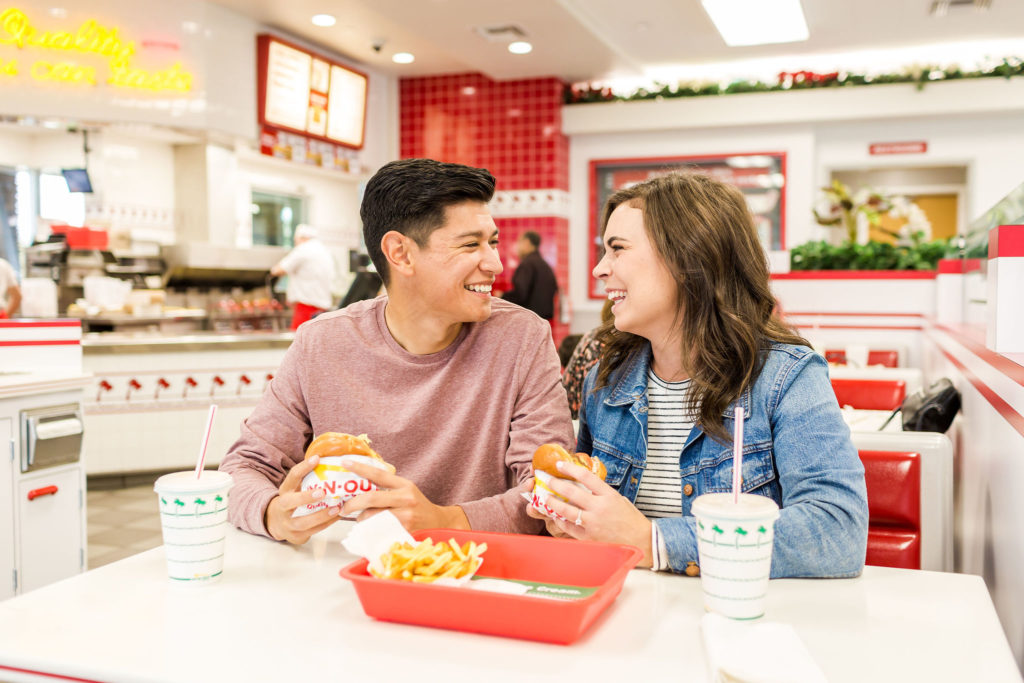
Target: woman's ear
x,y
399,252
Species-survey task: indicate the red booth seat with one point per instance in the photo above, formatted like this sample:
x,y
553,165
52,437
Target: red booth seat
x,y
870,394
889,358
893,481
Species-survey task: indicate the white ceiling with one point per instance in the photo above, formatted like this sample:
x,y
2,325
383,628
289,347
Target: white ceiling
x,y
593,39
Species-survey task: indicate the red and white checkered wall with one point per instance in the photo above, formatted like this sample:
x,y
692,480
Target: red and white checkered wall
x,y
513,129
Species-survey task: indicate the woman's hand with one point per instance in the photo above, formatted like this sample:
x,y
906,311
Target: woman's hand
x,y
602,515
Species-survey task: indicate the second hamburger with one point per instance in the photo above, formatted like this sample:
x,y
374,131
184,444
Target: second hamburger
x,y
545,460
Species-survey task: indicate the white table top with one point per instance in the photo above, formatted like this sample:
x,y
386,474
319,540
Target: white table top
x,y
872,420
282,613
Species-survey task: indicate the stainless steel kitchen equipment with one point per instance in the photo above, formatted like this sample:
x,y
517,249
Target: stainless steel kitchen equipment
x,y
51,436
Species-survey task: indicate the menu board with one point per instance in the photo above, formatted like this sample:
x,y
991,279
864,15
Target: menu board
x,y
309,94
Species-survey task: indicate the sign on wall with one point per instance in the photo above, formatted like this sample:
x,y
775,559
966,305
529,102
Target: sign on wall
x,y
311,95
761,177
47,52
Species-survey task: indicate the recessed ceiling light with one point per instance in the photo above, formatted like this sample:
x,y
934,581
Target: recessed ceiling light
x,y
403,58
758,22
519,47
324,20
58,12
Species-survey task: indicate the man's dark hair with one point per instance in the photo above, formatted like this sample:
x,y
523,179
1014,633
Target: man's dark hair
x,y
410,197
533,238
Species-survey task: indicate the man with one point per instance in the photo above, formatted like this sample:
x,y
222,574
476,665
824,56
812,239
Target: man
x,y
533,284
310,271
10,292
454,388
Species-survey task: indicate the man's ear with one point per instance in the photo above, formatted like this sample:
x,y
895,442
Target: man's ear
x,y
399,251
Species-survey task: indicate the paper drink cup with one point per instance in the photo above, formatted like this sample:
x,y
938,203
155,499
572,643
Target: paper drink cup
x,y
734,544
338,484
194,517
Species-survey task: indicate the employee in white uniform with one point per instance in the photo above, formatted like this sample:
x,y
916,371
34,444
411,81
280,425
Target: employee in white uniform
x,y
10,292
310,271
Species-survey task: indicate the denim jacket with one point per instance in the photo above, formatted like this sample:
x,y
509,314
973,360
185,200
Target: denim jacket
x,y
797,451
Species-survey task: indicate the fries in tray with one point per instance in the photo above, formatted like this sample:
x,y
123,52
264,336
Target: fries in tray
x,y
427,561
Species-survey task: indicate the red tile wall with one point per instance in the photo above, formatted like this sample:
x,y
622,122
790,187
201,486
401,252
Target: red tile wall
x,y
511,128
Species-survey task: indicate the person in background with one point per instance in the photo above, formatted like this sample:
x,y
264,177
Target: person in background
x,y
455,388
9,290
533,284
584,356
693,337
310,271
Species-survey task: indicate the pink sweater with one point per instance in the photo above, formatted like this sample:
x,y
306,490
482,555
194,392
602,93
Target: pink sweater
x,y
462,424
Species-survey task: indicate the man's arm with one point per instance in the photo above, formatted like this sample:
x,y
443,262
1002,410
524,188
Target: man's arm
x,y
540,415
273,440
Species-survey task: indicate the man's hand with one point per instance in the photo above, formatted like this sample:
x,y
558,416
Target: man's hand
x,y
280,523
604,514
404,499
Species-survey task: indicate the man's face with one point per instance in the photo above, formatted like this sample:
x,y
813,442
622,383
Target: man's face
x,y
455,270
523,247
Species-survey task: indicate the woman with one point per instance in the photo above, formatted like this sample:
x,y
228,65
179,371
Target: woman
x,y
693,336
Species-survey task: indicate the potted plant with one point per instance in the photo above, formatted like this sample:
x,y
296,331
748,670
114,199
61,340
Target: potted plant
x,y
857,214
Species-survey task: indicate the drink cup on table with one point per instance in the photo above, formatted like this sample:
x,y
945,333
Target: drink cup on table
x,y
734,544
194,518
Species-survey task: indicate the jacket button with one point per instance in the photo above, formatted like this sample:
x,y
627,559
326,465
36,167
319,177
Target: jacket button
x,y
643,409
633,481
688,489
692,569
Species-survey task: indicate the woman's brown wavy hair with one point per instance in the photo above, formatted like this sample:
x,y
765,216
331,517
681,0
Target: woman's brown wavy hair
x,y
703,231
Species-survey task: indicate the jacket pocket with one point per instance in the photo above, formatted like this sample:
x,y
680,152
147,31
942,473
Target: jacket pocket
x,y
758,469
616,463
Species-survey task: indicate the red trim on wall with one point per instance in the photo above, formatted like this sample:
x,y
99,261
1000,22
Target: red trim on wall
x,y
856,275
996,360
1006,241
859,327
864,315
42,342
958,266
41,323
58,677
1007,412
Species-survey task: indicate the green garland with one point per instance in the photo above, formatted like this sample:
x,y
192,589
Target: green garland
x,y
870,256
583,93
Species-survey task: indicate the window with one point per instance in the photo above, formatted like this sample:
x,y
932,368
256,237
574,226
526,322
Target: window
x,y
275,217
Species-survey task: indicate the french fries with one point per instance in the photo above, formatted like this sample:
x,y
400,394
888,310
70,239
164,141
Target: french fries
x,y
427,561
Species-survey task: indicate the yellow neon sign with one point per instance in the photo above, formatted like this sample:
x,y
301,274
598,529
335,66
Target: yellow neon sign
x,y
91,38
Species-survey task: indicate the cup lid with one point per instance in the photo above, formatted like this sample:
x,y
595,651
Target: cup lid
x,y
186,482
721,505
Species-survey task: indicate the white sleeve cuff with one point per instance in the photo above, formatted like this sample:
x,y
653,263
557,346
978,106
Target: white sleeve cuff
x,y
659,551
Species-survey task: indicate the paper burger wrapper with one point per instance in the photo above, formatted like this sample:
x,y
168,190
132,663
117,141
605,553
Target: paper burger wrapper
x,y
542,492
338,484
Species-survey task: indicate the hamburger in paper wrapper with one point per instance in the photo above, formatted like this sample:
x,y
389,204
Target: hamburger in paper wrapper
x,y
545,459
330,474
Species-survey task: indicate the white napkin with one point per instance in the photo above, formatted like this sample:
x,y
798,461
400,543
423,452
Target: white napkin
x,y
762,652
373,537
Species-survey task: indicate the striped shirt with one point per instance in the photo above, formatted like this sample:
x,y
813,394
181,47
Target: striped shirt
x,y
668,426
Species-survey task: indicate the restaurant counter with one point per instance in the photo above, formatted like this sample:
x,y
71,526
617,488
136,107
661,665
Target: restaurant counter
x,y
281,612
151,393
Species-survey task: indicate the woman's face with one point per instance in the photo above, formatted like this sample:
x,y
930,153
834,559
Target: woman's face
x,y
636,278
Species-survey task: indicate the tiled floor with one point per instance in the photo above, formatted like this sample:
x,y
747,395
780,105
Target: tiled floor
x,y
122,522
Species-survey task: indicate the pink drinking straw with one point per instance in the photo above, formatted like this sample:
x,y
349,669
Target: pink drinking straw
x,y
737,456
206,440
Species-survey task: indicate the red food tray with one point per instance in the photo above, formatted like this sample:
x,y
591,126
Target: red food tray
x,y
509,556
